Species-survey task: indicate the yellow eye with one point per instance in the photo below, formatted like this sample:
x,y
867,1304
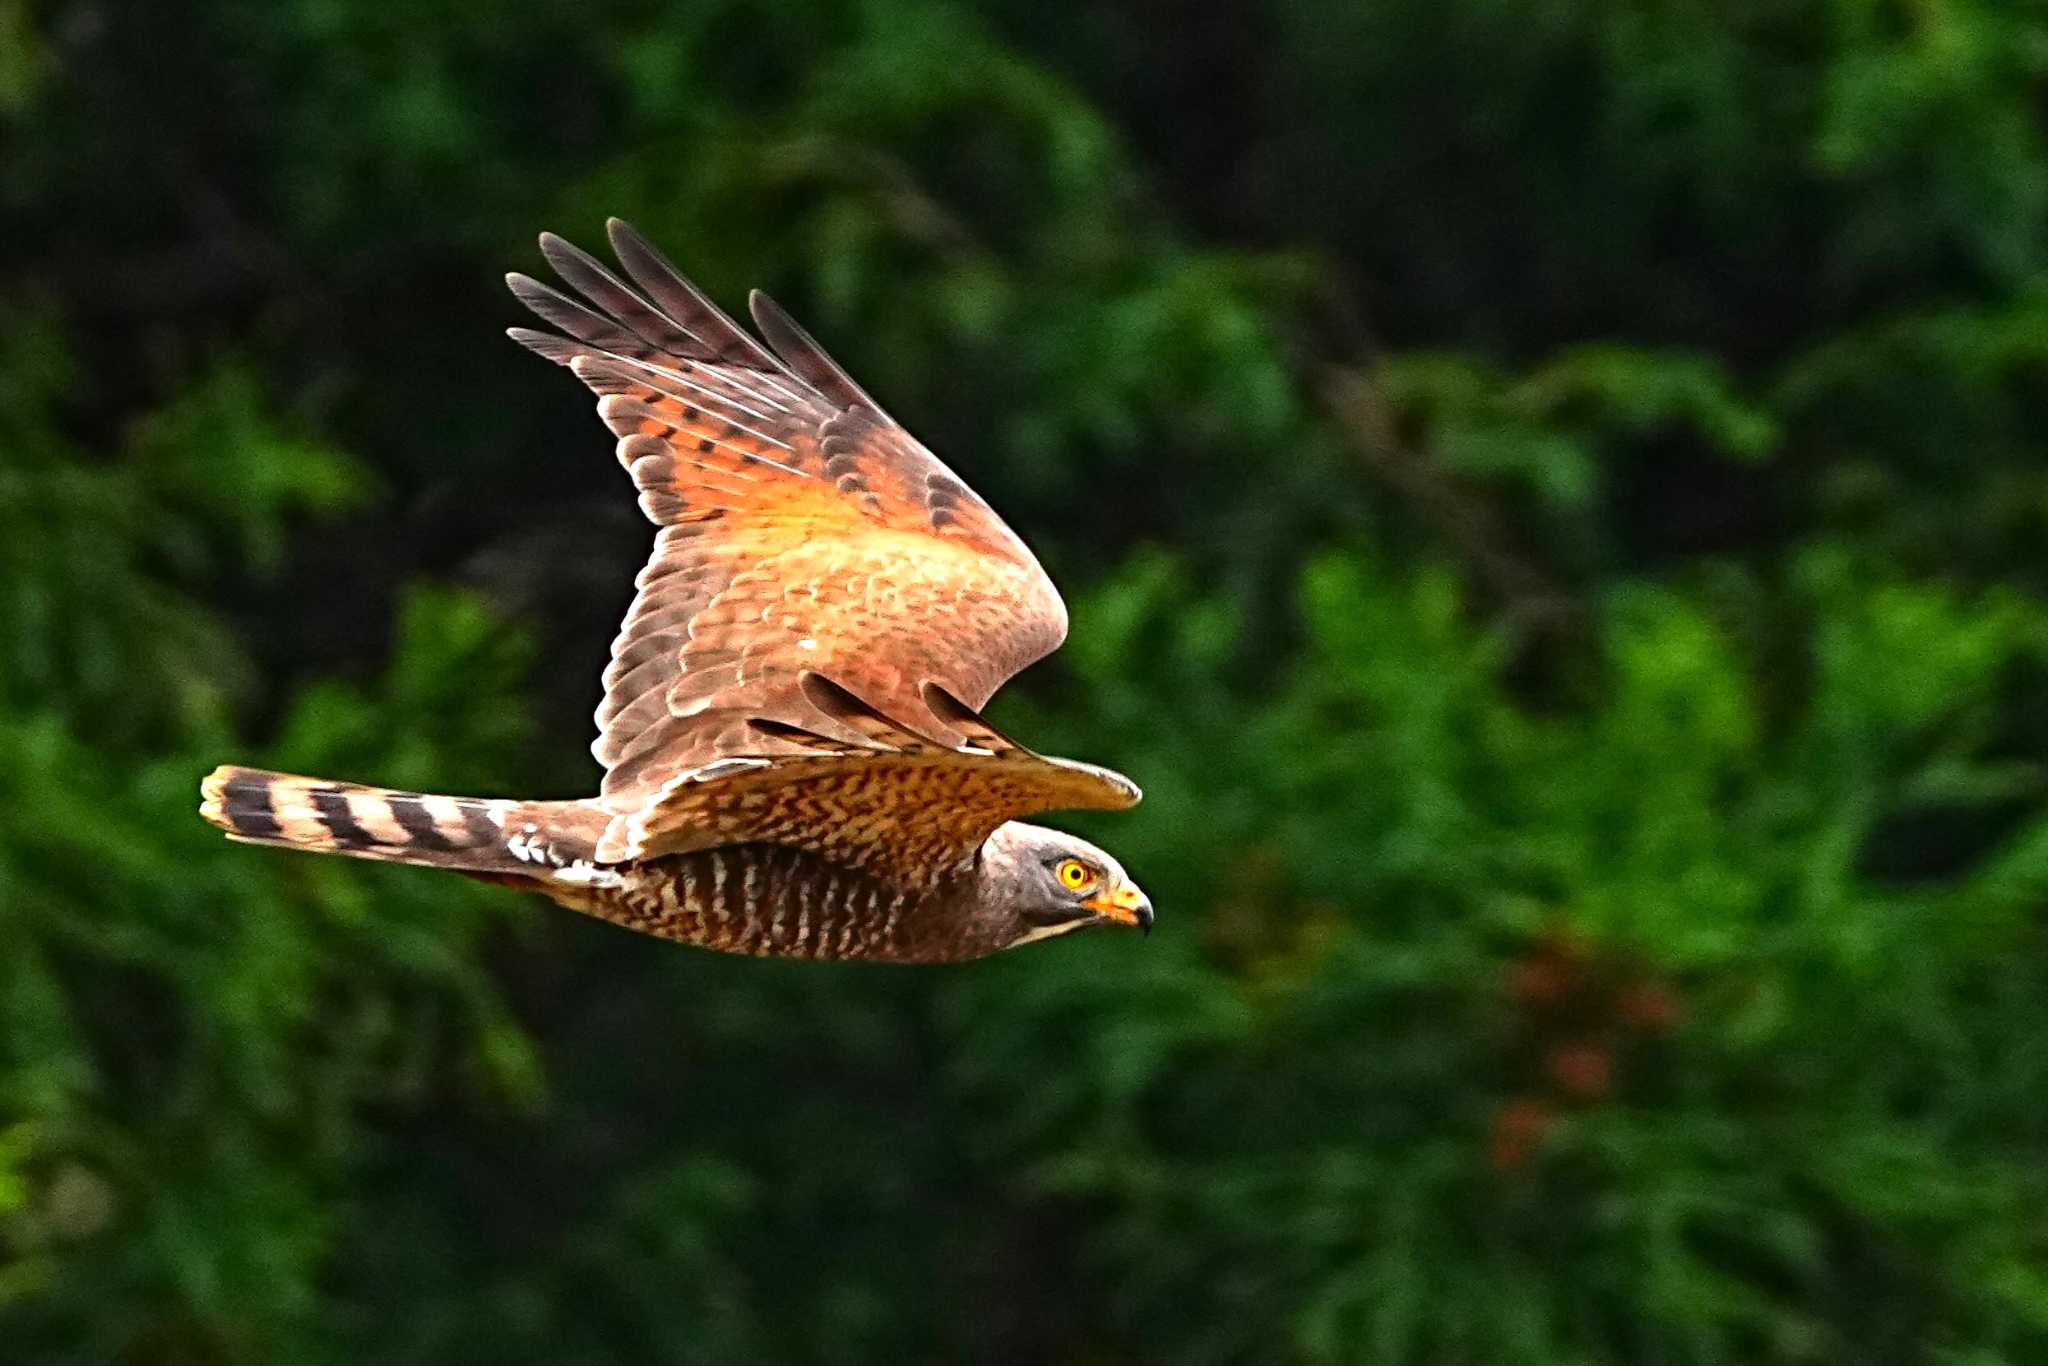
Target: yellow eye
x,y
1075,875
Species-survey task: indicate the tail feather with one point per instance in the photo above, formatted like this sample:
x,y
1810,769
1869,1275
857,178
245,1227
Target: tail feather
x,y
470,834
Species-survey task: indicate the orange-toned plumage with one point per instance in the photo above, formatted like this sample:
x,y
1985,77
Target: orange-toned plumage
x,y
825,612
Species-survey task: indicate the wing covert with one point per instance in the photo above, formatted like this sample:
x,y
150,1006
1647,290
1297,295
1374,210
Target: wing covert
x,y
894,805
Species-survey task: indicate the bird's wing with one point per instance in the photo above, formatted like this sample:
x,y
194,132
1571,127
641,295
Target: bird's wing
x,y
803,532
896,806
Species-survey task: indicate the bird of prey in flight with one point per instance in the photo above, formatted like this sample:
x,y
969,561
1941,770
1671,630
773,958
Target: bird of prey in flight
x,y
795,761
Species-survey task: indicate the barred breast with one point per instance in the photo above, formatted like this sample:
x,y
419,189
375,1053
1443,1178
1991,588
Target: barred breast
x,y
769,901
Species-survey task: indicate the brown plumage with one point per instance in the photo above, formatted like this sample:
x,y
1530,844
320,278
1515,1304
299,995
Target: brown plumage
x,y
795,764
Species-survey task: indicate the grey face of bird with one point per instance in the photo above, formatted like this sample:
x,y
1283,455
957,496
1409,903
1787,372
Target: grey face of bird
x,y
1047,883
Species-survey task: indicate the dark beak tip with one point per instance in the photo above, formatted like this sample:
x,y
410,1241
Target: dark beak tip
x,y
1145,918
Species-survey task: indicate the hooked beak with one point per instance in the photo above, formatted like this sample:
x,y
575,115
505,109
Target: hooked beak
x,y
1126,905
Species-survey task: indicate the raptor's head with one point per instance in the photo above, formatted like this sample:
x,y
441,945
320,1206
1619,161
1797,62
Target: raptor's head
x,y
1039,883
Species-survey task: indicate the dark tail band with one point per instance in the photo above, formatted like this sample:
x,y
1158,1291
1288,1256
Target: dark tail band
x,y
472,834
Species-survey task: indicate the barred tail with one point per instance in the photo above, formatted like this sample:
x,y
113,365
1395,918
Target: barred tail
x,y
470,834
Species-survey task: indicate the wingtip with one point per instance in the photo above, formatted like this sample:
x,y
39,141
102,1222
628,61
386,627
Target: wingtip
x,y
1129,791
547,345
561,253
782,332
595,367
565,256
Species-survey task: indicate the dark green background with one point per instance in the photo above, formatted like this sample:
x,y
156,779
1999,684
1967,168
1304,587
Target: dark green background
x,y
1553,498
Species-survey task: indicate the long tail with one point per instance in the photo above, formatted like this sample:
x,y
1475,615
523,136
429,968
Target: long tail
x,y
469,834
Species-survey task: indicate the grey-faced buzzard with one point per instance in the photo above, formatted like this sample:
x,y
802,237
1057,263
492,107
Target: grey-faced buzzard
x,y
795,761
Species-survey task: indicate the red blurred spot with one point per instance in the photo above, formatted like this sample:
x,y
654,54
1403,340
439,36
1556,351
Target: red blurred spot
x,y
1540,981
1517,1129
1582,1070
1647,1005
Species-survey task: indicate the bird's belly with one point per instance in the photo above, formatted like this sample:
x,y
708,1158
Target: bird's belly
x,y
769,901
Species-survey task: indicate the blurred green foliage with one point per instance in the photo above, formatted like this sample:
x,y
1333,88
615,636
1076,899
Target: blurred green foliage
x,y
1552,496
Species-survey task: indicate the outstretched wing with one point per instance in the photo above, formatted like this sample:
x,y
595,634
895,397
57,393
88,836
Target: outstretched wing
x,y
803,532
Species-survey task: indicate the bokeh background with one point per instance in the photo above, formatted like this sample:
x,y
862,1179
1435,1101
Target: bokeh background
x,y
1553,498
